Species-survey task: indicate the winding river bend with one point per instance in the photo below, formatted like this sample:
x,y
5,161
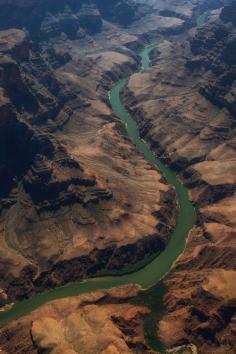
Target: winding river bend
x,y
150,275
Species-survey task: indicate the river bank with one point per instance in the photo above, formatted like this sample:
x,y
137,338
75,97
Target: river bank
x,y
151,273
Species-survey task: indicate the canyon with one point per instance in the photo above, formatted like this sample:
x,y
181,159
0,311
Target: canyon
x,y
185,106
107,325
76,193
77,198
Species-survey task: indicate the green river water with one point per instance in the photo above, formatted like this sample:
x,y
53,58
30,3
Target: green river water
x,y
150,275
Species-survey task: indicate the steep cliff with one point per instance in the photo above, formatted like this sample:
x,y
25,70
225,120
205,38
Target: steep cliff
x,y
72,191
185,107
77,198
45,18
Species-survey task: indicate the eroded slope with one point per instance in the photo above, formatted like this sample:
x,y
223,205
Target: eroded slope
x,y
185,108
77,197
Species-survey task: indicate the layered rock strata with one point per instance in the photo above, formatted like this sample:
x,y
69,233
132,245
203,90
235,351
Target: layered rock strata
x,y
77,197
99,323
185,109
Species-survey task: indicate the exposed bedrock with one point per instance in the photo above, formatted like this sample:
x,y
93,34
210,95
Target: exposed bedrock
x,y
101,322
45,19
77,197
216,51
185,108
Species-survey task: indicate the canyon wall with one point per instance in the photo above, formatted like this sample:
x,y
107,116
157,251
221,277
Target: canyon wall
x,y
77,198
185,107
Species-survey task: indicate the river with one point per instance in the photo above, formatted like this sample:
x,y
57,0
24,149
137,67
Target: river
x,y
149,276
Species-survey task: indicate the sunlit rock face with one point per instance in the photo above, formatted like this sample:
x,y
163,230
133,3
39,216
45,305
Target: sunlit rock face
x,y
102,322
188,116
75,195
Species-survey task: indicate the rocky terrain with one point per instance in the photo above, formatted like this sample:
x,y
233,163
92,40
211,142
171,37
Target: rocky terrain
x,y
45,19
77,196
100,323
73,202
185,107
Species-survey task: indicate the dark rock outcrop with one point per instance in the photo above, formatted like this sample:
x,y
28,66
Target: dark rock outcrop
x,y
185,108
45,18
71,199
101,322
215,49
